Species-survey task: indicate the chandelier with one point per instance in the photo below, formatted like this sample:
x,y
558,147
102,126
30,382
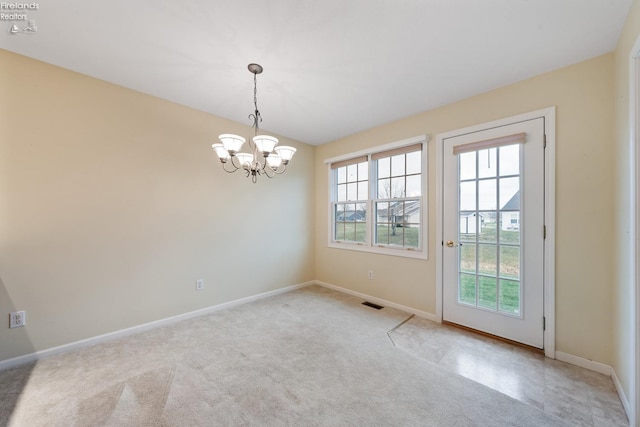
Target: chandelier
x,y
265,156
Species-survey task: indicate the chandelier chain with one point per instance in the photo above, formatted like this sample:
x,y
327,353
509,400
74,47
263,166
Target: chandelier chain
x,y
256,117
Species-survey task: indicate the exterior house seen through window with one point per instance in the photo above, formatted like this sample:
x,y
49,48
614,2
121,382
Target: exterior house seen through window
x,y
377,202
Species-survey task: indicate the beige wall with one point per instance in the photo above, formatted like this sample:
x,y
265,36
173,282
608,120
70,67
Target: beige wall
x,y
582,94
112,204
622,310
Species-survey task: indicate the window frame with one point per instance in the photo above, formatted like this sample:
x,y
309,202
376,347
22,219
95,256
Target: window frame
x,y
421,252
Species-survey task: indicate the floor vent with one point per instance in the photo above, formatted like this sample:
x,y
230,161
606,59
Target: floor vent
x,y
372,305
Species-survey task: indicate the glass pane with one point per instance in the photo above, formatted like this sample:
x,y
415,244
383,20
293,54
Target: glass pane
x,y
352,191
488,226
510,194
413,186
467,289
382,212
352,173
384,166
468,196
510,296
348,231
382,234
384,188
342,192
467,165
510,227
342,174
339,231
468,258
363,190
360,231
412,235
414,164
339,226
363,171
397,165
510,262
487,195
467,227
487,164
361,210
396,234
487,257
487,290
510,160
349,211
412,212
397,187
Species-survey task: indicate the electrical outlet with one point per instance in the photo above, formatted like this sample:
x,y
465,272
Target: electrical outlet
x,y
17,319
370,275
199,285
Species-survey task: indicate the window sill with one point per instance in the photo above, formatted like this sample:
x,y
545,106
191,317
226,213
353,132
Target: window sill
x,y
381,250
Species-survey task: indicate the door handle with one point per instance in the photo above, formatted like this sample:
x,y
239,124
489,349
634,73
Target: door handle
x,y
450,243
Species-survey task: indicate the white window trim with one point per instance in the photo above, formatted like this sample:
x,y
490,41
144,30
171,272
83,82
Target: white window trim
x,y
367,246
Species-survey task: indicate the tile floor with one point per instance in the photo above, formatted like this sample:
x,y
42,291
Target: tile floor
x,y
577,395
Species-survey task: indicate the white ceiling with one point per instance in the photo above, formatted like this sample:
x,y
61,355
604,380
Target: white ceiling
x,y
331,67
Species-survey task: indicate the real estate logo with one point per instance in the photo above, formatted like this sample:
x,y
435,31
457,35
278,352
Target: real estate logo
x,y
19,14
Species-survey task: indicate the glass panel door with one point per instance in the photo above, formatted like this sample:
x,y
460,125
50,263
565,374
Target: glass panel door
x,y
489,233
492,222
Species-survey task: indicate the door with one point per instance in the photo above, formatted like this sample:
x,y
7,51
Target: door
x,y
493,231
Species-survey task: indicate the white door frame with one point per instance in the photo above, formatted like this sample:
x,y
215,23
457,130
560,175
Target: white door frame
x,y
634,207
549,115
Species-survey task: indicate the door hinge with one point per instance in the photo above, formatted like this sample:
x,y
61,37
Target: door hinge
x,y
544,323
544,140
544,231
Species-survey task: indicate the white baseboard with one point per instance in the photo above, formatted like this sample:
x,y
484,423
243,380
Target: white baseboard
x,y
379,301
601,368
621,393
32,357
584,363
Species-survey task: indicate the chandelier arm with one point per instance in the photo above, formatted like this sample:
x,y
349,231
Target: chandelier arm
x,y
280,169
237,163
224,166
268,171
273,172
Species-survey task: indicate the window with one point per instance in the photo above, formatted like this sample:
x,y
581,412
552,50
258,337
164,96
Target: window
x,y
350,207
377,202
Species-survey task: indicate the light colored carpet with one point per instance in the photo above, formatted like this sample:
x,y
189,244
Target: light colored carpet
x,y
312,357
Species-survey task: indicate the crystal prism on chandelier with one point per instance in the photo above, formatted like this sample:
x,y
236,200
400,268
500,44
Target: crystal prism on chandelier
x,y
265,156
